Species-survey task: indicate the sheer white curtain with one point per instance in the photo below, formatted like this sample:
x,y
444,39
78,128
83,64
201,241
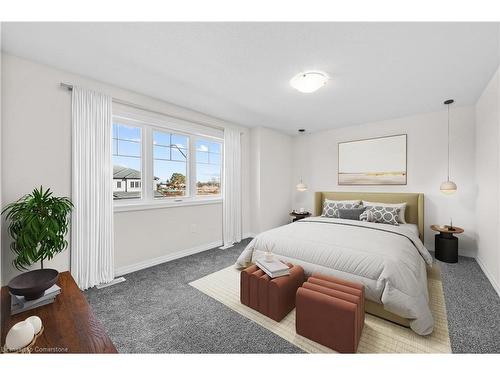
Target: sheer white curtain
x,y
232,187
92,258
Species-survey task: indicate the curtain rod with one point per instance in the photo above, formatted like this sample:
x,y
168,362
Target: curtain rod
x,y
69,87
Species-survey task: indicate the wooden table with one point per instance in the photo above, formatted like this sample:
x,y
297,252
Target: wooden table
x,y
70,325
446,244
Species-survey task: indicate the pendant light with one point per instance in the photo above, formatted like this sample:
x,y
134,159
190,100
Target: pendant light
x,y
301,186
448,187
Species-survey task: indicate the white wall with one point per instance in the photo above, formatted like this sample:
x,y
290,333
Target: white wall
x,y
254,183
154,235
36,150
487,177
315,158
271,178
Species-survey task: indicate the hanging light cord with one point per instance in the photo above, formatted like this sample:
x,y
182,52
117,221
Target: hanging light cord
x,y
448,142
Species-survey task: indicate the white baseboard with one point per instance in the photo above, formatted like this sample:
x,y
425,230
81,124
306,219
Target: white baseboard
x,y
489,275
467,253
165,258
115,281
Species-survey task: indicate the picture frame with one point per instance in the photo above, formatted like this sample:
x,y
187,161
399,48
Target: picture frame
x,y
373,161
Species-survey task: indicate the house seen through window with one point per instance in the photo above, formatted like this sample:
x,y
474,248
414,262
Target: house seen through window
x,y
127,161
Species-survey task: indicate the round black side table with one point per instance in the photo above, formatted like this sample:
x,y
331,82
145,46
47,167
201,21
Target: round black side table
x,y
299,215
446,244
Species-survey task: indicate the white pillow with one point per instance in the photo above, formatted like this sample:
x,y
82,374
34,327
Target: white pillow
x,y
401,206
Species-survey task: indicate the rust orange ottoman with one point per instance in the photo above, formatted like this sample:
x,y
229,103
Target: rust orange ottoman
x,y
359,288
274,298
245,284
331,313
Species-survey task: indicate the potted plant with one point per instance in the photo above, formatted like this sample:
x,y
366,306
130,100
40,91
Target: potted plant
x,y
38,224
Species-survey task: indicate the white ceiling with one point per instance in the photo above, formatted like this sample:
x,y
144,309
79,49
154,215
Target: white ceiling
x,y
240,71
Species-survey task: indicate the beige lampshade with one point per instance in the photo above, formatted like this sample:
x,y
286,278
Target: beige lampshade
x,y
448,187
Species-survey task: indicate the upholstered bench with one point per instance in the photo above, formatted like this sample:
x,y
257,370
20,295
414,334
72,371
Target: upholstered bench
x,y
274,298
330,311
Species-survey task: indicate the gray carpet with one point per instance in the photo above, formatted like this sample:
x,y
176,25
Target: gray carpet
x,y
473,308
156,311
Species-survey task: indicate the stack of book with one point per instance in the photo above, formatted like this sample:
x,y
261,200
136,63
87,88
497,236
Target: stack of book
x,y
274,268
19,304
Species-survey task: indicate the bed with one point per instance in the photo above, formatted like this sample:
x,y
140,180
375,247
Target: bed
x,y
390,261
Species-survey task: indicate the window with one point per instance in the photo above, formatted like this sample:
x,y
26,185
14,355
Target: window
x,y
135,184
178,165
170,163
127,160
208,167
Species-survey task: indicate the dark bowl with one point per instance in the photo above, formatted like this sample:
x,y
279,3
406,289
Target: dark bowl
x,y
33,284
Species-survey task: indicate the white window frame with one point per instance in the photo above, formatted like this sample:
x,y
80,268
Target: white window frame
x,y
188,162
148,123
210,139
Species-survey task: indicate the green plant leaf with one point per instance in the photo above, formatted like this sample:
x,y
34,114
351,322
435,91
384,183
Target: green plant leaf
x,y
37,223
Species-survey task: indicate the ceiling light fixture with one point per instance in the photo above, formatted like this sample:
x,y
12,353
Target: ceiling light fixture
x,y
307,82
448,187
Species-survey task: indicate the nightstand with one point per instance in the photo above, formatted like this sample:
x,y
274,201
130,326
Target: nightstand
x,y
446,244
299,216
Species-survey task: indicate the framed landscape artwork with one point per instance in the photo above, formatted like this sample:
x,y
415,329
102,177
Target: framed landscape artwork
x,y
375,161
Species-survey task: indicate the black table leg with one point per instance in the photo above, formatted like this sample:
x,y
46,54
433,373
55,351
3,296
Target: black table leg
x,y
446,247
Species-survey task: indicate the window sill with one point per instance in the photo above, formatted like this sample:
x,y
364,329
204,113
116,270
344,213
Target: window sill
x,y
162,204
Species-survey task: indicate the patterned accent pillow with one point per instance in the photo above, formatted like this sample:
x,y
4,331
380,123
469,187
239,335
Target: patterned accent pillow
x,y
331,208
401,206
368,216
381,214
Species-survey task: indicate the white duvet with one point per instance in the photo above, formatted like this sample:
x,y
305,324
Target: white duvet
x,y
390,261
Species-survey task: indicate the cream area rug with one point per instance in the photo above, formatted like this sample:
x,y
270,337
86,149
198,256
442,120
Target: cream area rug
x,y
379,335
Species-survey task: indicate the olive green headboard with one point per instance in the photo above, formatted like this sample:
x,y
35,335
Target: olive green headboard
x,y
414,203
